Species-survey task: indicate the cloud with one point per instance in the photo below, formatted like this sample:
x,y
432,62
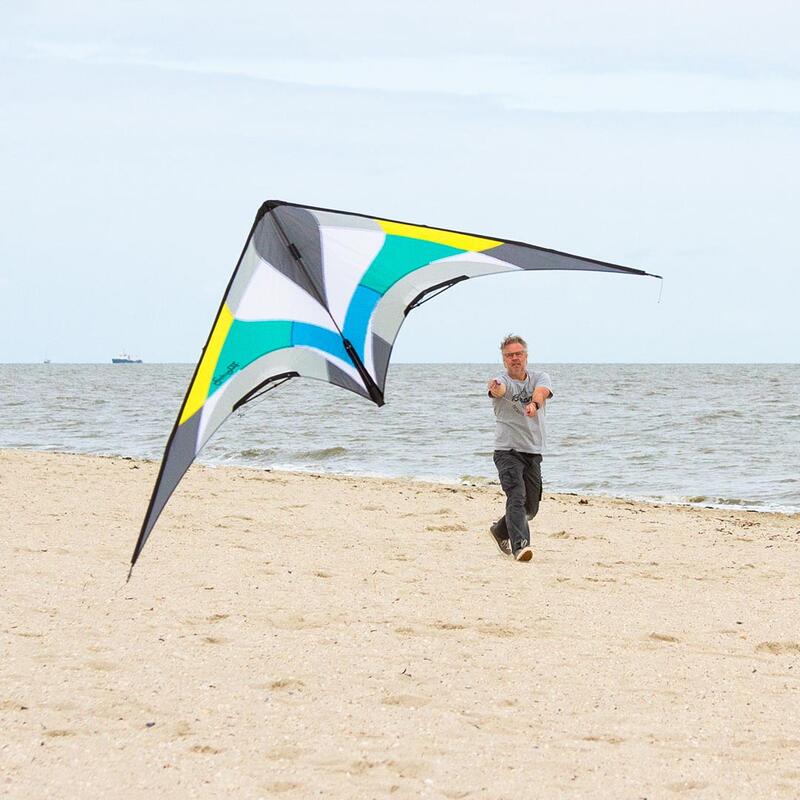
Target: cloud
x,y
525,84
571,56
513,82
643,35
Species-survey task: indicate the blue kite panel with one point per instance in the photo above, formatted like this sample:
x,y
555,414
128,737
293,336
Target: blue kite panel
x,y
358,314
304,334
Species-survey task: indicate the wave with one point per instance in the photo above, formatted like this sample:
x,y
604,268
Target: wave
x,y
324,453
476,480
256,452
714,416
640,457
735,501
574,438
725,502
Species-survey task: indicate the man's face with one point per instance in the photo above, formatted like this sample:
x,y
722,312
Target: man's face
x,y
515,358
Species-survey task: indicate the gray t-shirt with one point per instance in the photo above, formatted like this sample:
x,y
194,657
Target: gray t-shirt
x,y
513,430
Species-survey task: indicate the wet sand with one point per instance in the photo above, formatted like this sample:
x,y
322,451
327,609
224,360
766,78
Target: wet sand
x,y
289,635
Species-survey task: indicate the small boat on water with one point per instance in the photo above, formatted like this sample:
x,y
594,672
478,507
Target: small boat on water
x,y
125,358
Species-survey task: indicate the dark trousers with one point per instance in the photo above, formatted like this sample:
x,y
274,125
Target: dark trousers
x,y
521,479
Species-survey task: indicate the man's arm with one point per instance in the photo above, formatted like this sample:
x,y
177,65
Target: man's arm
x,y
496,388
540,396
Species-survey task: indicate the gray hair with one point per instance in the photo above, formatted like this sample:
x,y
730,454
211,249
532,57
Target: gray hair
x,y
513,339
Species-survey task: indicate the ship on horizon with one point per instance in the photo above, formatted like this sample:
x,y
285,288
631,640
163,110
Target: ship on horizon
x,y
125,358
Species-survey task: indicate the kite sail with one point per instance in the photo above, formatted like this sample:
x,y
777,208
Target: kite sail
x,y
319,293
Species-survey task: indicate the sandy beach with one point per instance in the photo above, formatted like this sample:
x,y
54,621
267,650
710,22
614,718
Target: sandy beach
x,y
290,635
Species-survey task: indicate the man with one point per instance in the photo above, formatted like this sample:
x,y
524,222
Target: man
x,y
519,397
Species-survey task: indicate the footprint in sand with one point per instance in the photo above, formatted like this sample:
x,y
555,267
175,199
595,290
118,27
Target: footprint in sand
x,y
405,700
779,648
205,749
285,753
236,518
446,528
608,739
215,640
102,666
282,786
648,576
567,535
500,631
663,637
289,684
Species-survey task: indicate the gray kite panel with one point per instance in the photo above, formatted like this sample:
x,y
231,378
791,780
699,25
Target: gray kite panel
x,y
334,219
178,458
535,258
300,228
381,351
339,377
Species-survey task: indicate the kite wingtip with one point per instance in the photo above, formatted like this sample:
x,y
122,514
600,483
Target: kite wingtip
x,y
267,206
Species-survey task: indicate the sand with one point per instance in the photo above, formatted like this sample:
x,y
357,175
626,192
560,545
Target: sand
x,y
289,635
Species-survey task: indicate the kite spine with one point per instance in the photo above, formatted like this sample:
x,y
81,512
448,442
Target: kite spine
x,y
376,395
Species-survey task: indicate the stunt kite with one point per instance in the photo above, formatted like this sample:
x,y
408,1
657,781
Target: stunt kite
x,y
319,293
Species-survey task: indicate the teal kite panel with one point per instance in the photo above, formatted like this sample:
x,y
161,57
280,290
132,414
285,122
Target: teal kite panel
x,y
247,341
399,256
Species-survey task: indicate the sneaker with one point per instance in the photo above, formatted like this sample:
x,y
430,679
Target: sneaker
x,y
501,541
524,554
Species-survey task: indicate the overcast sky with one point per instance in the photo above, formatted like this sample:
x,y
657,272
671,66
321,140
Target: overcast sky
x,y
137,141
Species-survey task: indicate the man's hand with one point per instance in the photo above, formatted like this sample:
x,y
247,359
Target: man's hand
x,y
530,409
496,388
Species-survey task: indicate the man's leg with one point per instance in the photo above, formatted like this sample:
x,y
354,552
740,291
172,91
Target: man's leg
x,y
511,468
533,485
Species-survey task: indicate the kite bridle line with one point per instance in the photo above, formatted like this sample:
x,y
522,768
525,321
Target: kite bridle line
x,y
376,395
255,392
432,292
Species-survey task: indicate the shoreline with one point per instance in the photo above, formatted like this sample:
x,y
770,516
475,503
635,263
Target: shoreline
x,y
473,482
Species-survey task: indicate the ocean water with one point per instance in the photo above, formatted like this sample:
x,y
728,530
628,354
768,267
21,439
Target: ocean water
x,y
711,434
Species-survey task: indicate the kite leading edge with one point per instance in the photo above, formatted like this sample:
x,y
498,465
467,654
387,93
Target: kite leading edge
x,y
320,293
